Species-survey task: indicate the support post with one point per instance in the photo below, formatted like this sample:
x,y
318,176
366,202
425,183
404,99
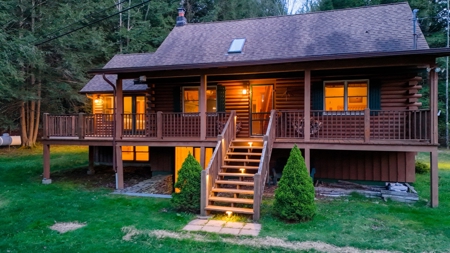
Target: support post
x,y
202,157
119,172
159,125
307,106
366,125
45,126
308,159
202,105
434,179
81,126
46,155
203,194
91,170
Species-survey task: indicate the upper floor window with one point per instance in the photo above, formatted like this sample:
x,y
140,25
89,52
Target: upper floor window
x,y
346,95
191,99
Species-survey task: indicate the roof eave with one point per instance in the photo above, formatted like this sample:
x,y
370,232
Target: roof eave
x,y
436,52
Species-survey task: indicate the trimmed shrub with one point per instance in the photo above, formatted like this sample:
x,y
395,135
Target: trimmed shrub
x,y
187,188
422,168
294,197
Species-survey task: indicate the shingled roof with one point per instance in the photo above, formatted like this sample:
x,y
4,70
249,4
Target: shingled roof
x,y
97,84
381,28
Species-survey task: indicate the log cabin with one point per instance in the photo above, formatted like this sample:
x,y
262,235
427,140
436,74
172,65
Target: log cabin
x,y
342,85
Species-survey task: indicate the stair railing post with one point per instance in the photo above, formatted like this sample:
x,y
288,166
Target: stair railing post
x,y
257,197
204,193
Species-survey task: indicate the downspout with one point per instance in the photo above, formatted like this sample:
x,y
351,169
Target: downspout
x,y
113,128
414,28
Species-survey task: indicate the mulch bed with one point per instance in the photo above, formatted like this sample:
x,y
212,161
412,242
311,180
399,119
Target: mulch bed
x,y
104,176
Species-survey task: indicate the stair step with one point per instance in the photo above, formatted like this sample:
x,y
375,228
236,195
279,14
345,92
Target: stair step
x,y
235,182
240,167
246,147
228,190
244,153
236,174
232,200
228,208
242,160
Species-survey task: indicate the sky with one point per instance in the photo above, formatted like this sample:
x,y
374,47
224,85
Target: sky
x,y
294,5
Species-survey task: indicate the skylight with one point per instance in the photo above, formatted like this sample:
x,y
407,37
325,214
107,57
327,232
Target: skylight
x,y
236,46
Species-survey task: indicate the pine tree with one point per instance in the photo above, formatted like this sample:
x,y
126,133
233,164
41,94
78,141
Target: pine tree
x,y
187,194
294,197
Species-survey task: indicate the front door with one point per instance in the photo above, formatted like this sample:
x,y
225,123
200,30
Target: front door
x,y
261,105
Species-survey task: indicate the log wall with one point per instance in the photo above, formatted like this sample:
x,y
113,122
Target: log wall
x,y
236,100
289,94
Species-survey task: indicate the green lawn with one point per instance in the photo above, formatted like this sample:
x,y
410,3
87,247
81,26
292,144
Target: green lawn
x,y
28,208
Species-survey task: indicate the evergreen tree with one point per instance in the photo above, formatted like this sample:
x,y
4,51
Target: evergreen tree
x,y
187,188
294,197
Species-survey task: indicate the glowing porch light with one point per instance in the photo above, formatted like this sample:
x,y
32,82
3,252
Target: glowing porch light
x,y
244,91
242,170
229,213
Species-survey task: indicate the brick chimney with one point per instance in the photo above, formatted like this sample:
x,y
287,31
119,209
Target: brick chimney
x,y
181,20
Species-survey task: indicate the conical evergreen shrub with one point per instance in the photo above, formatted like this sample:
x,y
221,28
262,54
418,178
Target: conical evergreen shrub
x,y
294,197
187,194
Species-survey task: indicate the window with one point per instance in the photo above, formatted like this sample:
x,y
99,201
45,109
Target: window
x,y
191,99
135,153
236,46
346,95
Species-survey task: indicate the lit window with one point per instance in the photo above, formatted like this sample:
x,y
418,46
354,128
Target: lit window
x,y
191,99
346,95
236,46
135,153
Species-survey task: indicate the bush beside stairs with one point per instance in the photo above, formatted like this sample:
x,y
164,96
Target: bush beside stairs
x,y
234,187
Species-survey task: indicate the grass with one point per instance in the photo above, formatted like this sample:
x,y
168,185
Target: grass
x,y
28,208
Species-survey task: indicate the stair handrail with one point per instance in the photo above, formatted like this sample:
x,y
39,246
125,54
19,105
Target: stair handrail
x,y
263,169
210,173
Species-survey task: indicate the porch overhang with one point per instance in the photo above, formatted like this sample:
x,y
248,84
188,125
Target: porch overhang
x,y
417,58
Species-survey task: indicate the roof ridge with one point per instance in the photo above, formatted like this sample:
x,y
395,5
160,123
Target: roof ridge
x,y
134,54
298,14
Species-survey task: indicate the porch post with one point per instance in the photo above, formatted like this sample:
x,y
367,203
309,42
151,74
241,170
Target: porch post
x,y
202,105
46,155
434,179
118,134
119,109
434,105
307,106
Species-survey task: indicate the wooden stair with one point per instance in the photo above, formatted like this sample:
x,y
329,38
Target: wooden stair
x,y
233,189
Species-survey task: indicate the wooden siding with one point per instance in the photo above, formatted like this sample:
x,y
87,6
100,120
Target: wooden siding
x,y
164,97
289,94
364,165
401,92
162,159
235,100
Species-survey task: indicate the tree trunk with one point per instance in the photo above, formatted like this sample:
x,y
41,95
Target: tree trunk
x,y
38,113
23,125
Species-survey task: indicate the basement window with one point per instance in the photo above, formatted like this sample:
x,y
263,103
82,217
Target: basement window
x,y
236,46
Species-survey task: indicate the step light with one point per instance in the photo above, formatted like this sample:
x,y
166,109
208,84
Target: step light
x,y
242,170
229,213
250,143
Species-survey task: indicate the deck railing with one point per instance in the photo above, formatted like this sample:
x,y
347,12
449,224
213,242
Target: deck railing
x,y
337,125
260,177
176,124
210,174
60,125
289,124
98,125
215,123
400,125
